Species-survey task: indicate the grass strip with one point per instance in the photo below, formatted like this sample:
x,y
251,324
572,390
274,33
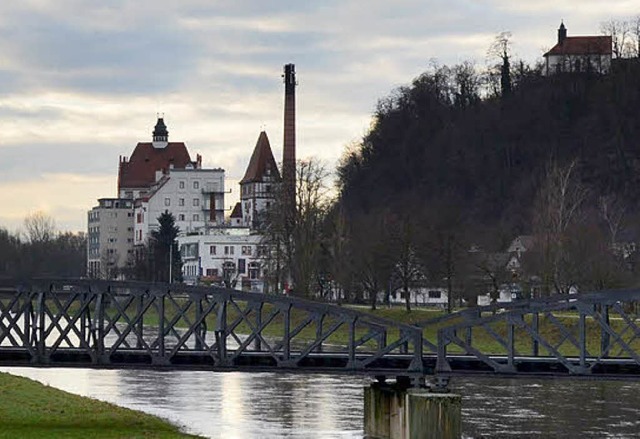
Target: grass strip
x,y
29,409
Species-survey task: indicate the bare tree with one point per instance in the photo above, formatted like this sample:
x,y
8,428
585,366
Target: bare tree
x,y
500,49
407,268
294,237
39,227
373,263
612,210
620,32
559,205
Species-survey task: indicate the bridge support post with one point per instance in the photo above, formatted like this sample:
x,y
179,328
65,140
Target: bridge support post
x,y
392,412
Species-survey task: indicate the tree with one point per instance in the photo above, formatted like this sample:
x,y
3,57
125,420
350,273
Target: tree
x,y
39,227
294,237
620,32
558,207
164,245
407,267
501,49
371,249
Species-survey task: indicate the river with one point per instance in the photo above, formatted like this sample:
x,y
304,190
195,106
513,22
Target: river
x,y
271,405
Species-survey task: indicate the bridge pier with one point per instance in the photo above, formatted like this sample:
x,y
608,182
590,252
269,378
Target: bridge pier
x,y
398,412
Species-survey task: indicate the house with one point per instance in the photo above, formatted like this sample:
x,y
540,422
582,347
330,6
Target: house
x,y
225,256
578,54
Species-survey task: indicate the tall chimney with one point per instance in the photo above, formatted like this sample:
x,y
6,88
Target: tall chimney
x,y
289,144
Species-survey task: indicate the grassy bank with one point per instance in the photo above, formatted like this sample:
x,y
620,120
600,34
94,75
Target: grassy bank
x,y
29,409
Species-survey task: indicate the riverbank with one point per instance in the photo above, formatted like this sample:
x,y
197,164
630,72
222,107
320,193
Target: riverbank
x,y
30,409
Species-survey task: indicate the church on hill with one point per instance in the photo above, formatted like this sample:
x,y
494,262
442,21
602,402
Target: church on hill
x,y
578,54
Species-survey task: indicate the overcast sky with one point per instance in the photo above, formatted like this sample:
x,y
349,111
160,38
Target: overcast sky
x,y
81,81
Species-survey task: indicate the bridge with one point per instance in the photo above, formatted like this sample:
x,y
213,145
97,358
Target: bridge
x,y
113,324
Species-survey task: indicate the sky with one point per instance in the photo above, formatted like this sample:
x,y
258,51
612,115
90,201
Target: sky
x,y
81,82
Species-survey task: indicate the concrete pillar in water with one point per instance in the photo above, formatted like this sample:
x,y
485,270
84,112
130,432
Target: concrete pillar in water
x,y
392,412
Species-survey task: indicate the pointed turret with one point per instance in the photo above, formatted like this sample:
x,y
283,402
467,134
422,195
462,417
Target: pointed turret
x,y
262,163
160,134
257,187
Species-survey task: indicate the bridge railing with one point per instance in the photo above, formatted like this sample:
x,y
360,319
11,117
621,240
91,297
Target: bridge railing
x,y
576,334
110,323
431,326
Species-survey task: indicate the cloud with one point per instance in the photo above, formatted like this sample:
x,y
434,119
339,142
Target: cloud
x,y
81,82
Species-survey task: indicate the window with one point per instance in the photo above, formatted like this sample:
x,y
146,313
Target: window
x,y
196,185
433,294
181,217
246,250
212,272
181,202
129,214
196,202
181,184
196,217
228,249
267,188
212,249
167,201
139,217
254,270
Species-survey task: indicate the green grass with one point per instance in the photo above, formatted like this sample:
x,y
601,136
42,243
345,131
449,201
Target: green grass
x,y
29,409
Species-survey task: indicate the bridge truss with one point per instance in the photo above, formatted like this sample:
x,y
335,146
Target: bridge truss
x,y
104,324
67,323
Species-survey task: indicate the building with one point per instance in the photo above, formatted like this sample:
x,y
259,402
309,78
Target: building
x,y
109,237
259,184
159,176
137,174
194,196
578,54
226,256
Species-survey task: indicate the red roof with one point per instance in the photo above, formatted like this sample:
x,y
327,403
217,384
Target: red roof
x,y
237,211
140,170
261,161
582,46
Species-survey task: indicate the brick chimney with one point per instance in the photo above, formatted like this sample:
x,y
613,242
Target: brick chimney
x,y
289,144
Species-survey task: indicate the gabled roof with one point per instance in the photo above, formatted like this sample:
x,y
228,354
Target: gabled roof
x,y
261,161
140,169
595,45
237,211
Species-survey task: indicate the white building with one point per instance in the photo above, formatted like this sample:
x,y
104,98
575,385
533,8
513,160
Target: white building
x,y
194,196
578,54
109,237
421,296
230,256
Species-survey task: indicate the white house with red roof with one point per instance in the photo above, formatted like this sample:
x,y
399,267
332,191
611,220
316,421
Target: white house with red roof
x,y
578,54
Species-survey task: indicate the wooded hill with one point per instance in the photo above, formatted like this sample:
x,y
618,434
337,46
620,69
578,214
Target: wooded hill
x,y
440,141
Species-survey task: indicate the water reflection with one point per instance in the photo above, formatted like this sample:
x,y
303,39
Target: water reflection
x,y
270,405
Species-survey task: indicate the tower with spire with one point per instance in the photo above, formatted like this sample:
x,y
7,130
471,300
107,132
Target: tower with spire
x,y
259,184
160,134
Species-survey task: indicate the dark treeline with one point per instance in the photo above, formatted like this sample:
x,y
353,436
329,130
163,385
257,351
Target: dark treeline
x,y
439,140
41,251
459,163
